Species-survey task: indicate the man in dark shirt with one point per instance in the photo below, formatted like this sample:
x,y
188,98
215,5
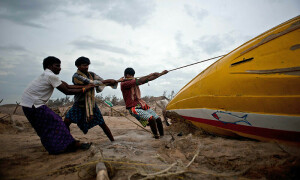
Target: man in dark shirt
x,y
136,106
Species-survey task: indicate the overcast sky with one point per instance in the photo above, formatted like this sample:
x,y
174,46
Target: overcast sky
x,y
148,35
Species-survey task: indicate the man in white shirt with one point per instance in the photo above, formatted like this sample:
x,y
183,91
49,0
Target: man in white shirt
x,y
52,131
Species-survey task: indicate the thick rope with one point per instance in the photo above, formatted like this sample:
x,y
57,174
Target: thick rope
x,y
79,167
130,165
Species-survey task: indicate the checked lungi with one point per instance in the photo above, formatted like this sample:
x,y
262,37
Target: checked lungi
x,y
77,115
143,114
49,126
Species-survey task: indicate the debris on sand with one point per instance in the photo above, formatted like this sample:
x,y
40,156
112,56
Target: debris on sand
x,y
135,154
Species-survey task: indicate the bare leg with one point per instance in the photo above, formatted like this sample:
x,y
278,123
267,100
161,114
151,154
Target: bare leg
x,y
160,126
153,128
107,131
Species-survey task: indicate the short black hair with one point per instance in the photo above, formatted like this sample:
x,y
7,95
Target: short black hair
x,y
82,60
129,71
50,60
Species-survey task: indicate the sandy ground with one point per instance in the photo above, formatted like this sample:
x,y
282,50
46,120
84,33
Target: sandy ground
x,y
137,155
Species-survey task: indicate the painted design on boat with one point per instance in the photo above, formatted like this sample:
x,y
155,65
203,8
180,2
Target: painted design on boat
x,y
226,117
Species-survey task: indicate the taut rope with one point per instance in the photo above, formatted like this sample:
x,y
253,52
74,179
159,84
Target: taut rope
x,y
197,62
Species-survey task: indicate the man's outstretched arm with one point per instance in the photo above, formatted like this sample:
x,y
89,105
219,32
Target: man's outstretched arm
x,y
73,89
73,86
151,77
109,82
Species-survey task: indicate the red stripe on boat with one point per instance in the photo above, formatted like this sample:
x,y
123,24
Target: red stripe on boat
x,y
257,131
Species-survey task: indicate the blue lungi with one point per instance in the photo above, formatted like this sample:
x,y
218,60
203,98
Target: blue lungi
x,y
77,115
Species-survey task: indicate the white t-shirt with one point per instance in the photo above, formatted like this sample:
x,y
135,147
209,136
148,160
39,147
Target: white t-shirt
x,y
40,90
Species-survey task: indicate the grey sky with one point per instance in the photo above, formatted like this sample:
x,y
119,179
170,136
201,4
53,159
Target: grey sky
x,y
148,35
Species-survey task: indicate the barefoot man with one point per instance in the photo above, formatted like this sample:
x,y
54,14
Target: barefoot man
x,y
85,112
138,107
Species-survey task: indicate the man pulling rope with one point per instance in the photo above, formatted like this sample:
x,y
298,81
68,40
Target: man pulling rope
x,y
135,105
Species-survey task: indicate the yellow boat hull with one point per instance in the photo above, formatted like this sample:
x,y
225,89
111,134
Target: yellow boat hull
x,y
254,91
